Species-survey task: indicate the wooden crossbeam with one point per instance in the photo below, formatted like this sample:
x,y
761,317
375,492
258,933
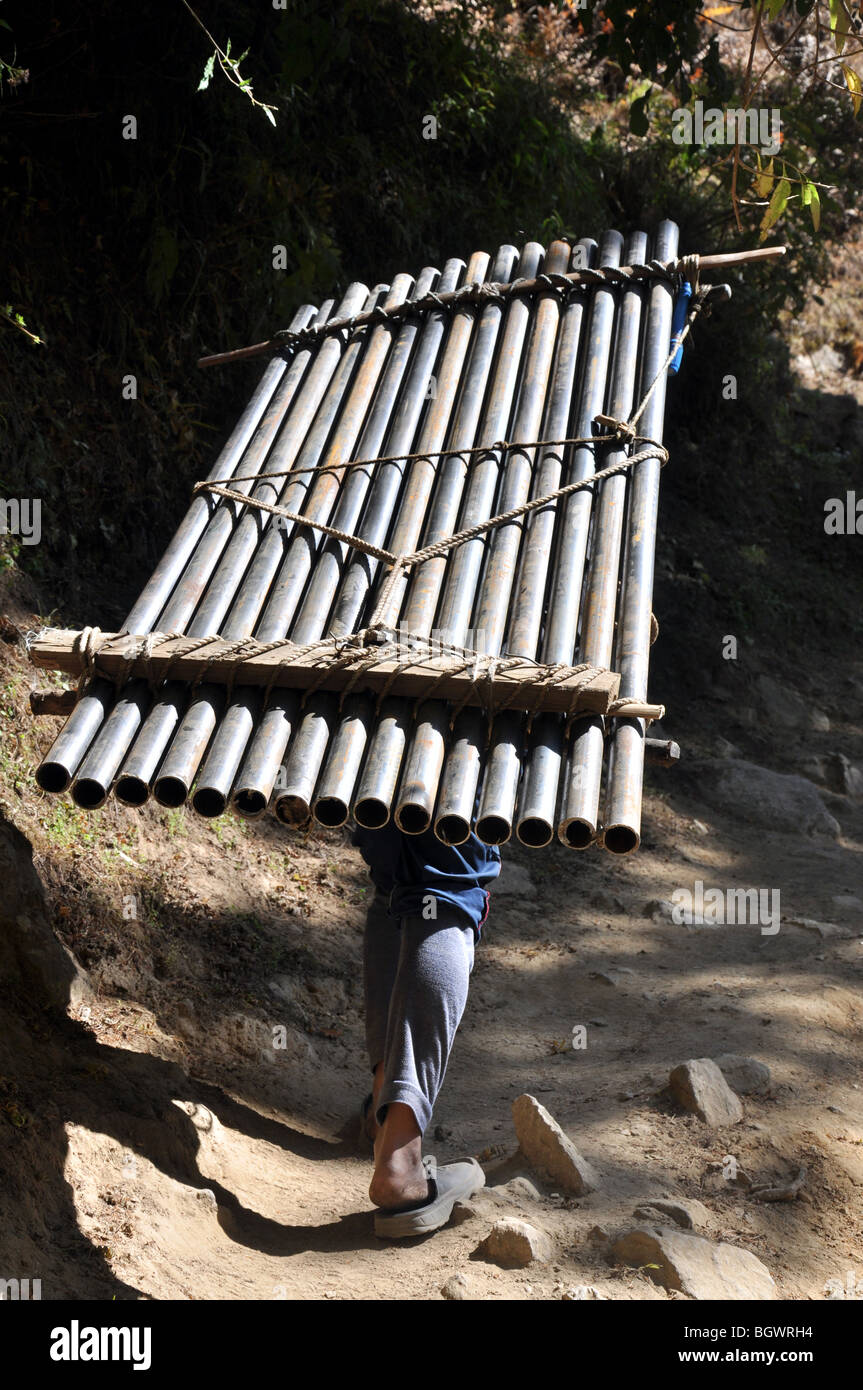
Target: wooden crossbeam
x,y
516,686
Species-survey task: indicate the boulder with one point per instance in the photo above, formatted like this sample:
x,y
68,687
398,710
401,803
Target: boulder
x,y
695,1266
547,1148
700,1087
757,795
31,956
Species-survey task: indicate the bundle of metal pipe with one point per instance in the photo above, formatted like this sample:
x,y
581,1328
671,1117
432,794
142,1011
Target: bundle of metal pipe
x,y
424,391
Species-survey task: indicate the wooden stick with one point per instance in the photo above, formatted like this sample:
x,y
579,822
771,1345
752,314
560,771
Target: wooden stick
x,y
760,253
517,687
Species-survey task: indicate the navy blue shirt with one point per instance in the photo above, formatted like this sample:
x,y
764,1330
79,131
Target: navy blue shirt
x,y
408,869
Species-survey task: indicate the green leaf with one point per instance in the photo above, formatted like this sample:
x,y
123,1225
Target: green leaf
x,y
852,81
815,207
840,23
776,206
774,7
208,73
764,178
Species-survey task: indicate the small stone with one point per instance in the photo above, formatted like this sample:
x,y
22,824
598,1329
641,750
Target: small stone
x,y
456,1288
819,721
514,1244
580,1292
207,1197
700,1087
689,1214
696,1266
461,1212
744,1075
548,1149
826,930
659,909
521,1189
616,976
598,1235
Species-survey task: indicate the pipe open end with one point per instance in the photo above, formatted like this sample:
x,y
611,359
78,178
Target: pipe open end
x,y
493,830
132,791
412,819
331,811
577,834
53,777
452,830
371,813
89,794
170,792
250,803
209,802
293,810
621,839
534,832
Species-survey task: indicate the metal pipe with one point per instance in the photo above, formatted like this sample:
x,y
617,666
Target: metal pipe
x,y
62,760
309,419
460,378
109,749
555,580
344,758
578,824
626,744
424,756
457,795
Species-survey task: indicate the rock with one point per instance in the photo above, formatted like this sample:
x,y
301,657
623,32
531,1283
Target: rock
x,y
613,976
759,796
826,361
514,882
696,1266
843,776
785,707
577,1293
207,1198
598,1235
456,1288
744,1075
461,1212
514,1244
32,959
547,1148
519,1189
826,930
689,1214
700,1087
819,721
723,749
659,909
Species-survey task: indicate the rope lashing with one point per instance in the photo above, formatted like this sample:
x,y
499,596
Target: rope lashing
x,y
610,430
476,292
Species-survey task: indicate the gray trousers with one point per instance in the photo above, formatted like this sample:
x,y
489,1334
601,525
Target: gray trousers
x,y
416,984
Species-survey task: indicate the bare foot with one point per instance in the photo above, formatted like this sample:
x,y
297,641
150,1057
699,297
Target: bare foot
x,y
399,1176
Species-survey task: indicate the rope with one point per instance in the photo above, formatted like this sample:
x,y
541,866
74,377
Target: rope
x,y
362,651
622,430
475,293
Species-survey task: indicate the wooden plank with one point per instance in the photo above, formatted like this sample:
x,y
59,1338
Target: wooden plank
x,y
120,655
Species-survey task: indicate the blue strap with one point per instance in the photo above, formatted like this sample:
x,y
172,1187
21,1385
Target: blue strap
x,y
678,322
